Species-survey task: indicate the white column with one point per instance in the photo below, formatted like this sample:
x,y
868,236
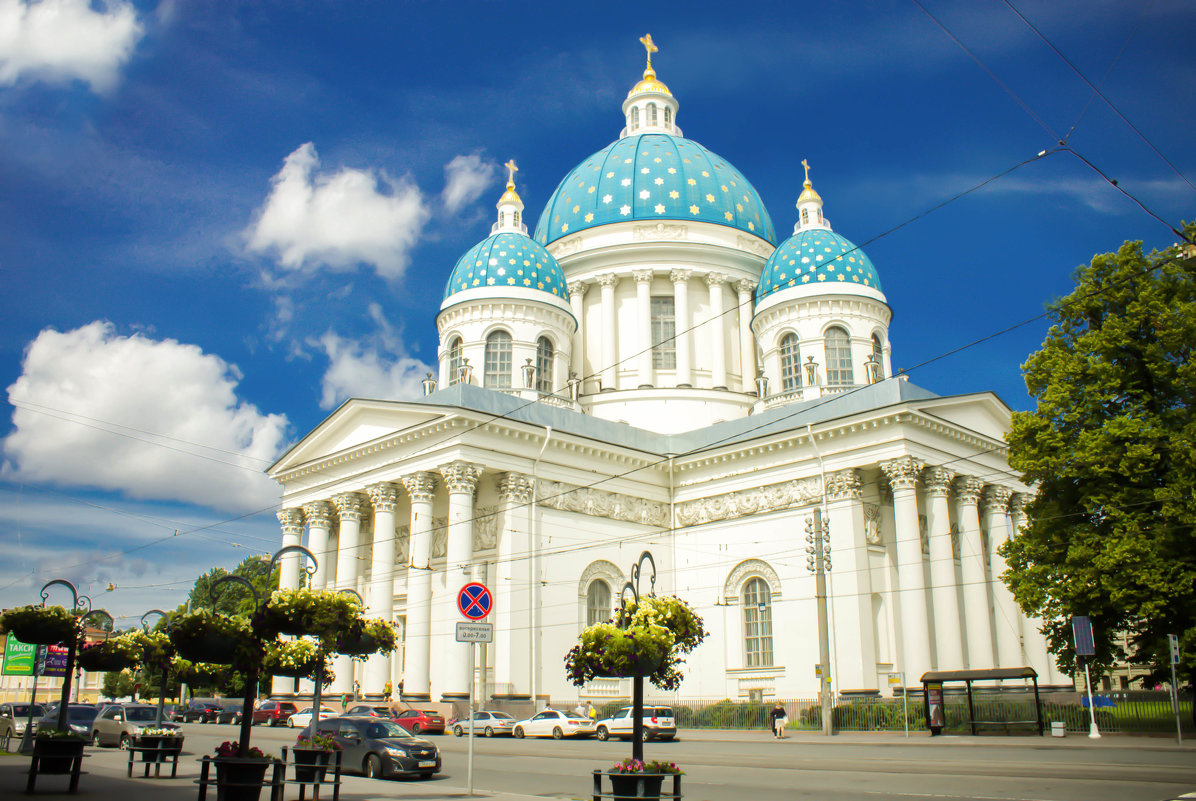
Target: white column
x,y
948,630
1037,650
643,318
319,516
513,585
747,343
855,656
975,579
610,354
915,625
681,323
292,531
461,479
351,506
417,681
380,598
718,330
1007,617
577,293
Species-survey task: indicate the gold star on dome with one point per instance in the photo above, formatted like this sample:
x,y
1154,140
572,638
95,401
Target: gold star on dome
x,y
589,217
693,209
674,194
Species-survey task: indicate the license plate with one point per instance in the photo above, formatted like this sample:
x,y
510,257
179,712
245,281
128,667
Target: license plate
x,y
431,763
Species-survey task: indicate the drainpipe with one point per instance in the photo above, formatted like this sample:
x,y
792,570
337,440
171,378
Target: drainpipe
x,y
533,594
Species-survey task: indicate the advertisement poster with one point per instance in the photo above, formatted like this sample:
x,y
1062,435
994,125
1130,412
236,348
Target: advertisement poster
x,y
55,661
935,712
19,658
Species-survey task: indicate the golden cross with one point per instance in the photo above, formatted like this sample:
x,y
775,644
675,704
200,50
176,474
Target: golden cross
x,y
646,41
806,164
511,170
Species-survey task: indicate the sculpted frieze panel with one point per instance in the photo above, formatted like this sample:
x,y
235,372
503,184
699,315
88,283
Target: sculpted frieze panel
x,y
598,503
485,528
661,231
872,524
439,536
749,502
402,545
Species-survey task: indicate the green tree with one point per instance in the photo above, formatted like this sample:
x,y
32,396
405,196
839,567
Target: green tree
x,y
233,598
1111,447
117,684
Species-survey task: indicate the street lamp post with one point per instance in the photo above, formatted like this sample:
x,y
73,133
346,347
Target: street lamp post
x,y
80,604
165,668
637,681
818,563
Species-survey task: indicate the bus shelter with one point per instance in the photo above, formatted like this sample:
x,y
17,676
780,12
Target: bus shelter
x,y
936,709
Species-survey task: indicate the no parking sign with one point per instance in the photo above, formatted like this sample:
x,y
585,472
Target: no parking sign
x,y
474,601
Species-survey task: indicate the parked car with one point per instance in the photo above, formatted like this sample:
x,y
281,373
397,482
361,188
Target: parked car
x,y
118,724
202,711
14,716
231,712
79,719
274,712
302,718
380,748
420,721
555,724
487,723
172,712
659,724
370,710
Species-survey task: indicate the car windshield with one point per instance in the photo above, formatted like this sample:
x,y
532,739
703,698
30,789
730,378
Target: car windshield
x,y
660,712
22,710
387,729
82,712
575,715
141,713
494,715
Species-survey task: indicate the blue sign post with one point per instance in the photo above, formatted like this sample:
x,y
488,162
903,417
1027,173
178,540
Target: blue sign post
x,y
1081,632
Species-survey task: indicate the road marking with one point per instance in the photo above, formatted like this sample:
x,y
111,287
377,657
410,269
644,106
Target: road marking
x,y
953,796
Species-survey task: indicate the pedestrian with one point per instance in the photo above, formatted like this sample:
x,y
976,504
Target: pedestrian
x,y
345,702
580,709
779,718
591,711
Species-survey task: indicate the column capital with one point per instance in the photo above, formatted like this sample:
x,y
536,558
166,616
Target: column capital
x,y
319,514
903,472
642,276
420,486
1017,504
843,485
968,489
351,505
744,286
384,496
515,487
937,480
608,280
679,276
291,519
461,476
578,288
996,497
715,279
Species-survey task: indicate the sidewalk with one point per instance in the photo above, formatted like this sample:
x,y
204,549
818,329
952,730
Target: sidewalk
x,y
923,738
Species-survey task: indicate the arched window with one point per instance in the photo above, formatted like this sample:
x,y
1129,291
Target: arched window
x,y
516,219
838,358
651,113
757,623
635,117
544,353
454,361
597,602
498,360
805,216
668,117
790,364
878,360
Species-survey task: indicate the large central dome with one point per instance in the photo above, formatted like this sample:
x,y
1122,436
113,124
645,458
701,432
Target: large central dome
x,y
653,177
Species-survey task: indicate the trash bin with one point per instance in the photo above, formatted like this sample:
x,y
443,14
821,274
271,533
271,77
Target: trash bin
x,y
1058,728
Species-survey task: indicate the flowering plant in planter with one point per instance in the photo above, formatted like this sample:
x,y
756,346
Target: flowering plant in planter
x,y
153,732
229,750
323,613
631,765
55,734
317,742
363,637
190,672
152,647
110,655
204,636
291,658
41,625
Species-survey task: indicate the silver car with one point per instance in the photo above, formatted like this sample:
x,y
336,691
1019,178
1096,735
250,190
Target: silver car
x,y
14,716
118,724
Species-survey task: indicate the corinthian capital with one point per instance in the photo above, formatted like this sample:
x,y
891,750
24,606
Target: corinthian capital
x,y
997,497
461,476
319,514
679,276
1017,504
351,505
745,287
515,487
291,520
608,279
420,486
903,472
843,485
937,480
384,496
578,288
642,276
968,489
715,279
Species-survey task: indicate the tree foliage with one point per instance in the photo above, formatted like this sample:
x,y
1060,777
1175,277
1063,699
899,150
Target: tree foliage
x,y
1111,447
232,598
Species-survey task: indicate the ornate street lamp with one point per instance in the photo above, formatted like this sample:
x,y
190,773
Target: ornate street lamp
x,y
165,668
637,681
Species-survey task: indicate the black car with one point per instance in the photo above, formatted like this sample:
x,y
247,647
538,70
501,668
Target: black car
x,y
202,711
380,748
231,712
79,719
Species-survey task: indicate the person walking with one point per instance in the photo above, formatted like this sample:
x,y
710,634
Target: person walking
x,y
591,711
779,718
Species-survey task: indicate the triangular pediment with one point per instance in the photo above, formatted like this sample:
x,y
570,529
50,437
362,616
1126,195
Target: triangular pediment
x,y
982,413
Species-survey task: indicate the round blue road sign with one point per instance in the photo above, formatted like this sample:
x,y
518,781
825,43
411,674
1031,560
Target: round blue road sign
x,y
474,601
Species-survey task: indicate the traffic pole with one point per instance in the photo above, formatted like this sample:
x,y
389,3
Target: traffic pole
x,y
473,647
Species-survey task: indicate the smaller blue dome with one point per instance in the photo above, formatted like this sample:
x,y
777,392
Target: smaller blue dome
x,y
507,259
816,256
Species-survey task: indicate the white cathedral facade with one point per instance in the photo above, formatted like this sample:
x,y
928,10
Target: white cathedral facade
x,y
654,369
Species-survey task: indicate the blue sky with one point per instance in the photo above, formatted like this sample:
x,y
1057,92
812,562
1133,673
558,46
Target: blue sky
x,y
220,220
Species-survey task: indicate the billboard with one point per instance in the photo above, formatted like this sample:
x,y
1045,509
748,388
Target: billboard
x,y
51,660
19,657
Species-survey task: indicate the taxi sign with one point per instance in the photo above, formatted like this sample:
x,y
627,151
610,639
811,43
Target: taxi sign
x,y
474,601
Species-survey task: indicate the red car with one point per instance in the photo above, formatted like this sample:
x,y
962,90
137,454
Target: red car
x,y
274,712
419,721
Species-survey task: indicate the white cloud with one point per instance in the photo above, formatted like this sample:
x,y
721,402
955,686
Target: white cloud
x,y
150,418
465,178
338,220
377,367
66,40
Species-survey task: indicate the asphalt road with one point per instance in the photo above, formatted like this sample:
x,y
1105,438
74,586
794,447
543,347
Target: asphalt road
x,y
743,766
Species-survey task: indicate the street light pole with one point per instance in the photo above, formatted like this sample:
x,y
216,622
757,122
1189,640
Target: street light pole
x,y
819,562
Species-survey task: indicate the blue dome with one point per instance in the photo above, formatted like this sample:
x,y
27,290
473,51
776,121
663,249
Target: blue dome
x,y
507,259
653,177
815,256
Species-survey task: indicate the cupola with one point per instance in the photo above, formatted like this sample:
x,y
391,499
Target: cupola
x,y
809,206
650,107
510,206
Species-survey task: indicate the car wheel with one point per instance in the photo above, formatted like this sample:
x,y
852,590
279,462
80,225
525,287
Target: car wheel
x,y
518,733
489,732
425,775
458,731
603,734
557,733
372,767
124,742
415,728
667,739
95,739
646,736
290,723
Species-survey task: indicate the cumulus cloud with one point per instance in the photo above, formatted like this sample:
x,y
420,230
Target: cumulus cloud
x,y
375,367
154,419
338,220
65,40
465,178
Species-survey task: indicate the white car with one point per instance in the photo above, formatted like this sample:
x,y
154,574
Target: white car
x,y
555,724
659,724
487,723
302,718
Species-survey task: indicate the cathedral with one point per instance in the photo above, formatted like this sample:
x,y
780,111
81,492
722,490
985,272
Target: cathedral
x,y
654,369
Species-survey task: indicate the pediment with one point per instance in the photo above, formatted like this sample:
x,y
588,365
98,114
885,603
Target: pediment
x,y
982,413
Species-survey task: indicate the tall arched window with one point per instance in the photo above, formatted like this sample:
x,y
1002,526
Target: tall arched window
x,y
544,353
838,358
757,623
805,216
597,602
454,361
635,117
498,360
878,359
651,113
790,364
668,117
